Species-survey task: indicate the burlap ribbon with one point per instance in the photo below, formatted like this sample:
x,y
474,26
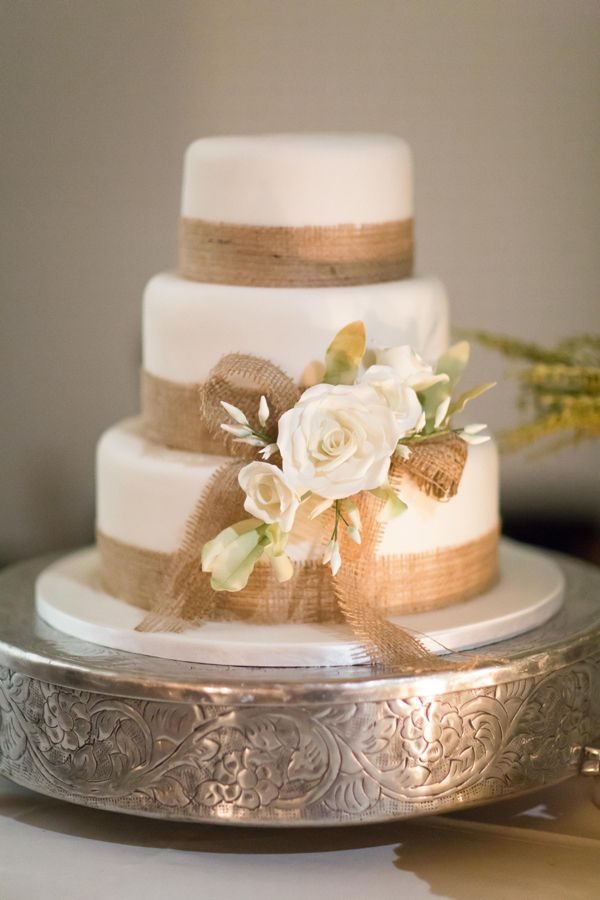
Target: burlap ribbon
x,y
189,416
437,473
399,583
185,595
263,256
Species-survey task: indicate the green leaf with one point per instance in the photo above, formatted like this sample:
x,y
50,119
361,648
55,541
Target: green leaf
x,y
393,506
345,354
460,403
452,363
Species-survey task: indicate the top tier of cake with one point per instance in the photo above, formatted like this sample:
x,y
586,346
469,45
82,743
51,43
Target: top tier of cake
x,y
284,240
298,180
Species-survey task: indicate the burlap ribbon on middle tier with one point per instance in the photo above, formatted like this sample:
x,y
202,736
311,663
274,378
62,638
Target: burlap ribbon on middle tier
x,y
368,587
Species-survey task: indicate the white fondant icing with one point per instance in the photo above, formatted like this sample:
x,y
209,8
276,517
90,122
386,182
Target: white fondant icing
x,y
69,596
298,179
429,524
189,326
146,492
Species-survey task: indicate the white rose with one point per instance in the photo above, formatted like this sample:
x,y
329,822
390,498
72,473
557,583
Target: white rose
x,y
337,440
408,367
269,495
400,398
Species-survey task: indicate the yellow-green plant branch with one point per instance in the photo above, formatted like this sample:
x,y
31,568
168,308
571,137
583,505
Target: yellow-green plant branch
x,y
515,349
561,384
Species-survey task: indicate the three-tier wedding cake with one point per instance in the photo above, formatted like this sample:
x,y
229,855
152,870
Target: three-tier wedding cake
x,y
295,482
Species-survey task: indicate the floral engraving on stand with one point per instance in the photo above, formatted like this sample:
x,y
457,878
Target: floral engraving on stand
x,y
66,721
315,763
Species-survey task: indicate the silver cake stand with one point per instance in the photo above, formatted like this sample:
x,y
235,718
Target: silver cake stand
x,y
295,747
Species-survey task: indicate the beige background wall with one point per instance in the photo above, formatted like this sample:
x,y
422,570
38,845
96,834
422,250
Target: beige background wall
x,y
99,98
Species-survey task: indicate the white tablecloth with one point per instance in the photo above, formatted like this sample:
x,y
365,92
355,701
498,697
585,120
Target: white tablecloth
x,y
544,846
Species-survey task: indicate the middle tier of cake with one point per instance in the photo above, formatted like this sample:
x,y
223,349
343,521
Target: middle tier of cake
x,y
146,494
188,326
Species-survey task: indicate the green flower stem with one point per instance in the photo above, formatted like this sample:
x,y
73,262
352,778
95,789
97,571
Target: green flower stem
x,y
337,521
439,432
262,436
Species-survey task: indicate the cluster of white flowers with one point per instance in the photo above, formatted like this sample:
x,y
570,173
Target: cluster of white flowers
x,y
338,440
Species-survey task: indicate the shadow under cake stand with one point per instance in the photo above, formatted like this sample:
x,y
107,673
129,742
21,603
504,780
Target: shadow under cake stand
x,y
138,734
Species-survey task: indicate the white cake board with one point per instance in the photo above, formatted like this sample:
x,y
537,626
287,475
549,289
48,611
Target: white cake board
x,y
69,597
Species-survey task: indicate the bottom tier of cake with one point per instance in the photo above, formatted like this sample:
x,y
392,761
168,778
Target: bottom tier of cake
x,y
433,555
70,596
145,494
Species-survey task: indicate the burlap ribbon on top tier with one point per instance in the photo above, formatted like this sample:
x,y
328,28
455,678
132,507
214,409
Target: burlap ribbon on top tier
x,y
310,256
368,586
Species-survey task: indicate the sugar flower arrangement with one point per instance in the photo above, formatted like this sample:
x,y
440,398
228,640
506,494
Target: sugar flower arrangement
x,y
338,440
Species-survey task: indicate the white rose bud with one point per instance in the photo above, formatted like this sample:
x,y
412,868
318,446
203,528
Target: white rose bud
x,y
269,495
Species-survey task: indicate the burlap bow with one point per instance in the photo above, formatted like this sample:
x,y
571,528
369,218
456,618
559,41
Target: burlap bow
x,y
186,597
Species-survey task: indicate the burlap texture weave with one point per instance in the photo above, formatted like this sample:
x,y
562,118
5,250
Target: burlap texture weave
x,y
311,256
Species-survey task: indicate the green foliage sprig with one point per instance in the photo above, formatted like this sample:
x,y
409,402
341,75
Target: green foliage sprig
x,y
561,386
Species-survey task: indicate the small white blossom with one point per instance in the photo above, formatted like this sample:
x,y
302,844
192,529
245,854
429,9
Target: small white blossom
x,y
332,556
252,439
421,423
474,438
441,412
336,560
236,414
353,515
240,431
268,451
403,451
263,411
474,429
320,508
354,534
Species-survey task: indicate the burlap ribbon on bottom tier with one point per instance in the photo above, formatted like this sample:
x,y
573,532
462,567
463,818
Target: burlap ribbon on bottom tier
x,y
368,586
401,584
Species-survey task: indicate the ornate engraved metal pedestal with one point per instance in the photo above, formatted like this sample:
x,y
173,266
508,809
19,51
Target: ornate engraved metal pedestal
x,y
294,746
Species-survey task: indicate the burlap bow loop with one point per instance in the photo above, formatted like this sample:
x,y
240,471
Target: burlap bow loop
x,y
435,465
241,379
